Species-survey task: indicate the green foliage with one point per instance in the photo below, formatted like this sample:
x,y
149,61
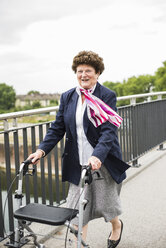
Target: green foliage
x,y
36,104
53,103
114,87
139,85
134,85
160,82
7,97
118,89
33,92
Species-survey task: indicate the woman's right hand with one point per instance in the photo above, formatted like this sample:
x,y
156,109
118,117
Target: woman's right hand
x,y
36,156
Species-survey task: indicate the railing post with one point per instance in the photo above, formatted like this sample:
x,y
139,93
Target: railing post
x,y
161,147
1,216
133,101
33,144
42,168
49,167
25,147
57,186
14,122
134,137
149,99
5,125
63,183
8,180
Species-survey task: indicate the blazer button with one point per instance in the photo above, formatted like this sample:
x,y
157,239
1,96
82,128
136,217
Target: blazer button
x,y
66,153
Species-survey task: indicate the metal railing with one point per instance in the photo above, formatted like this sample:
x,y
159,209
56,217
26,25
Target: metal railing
x,y
146,96
15,115
142,129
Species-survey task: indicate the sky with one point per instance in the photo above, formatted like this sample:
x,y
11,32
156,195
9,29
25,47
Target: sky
x,y
39,38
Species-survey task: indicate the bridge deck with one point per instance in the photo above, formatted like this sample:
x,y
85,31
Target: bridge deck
x,y
144,210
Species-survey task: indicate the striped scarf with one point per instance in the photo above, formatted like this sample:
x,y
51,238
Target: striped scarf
x,y
98,111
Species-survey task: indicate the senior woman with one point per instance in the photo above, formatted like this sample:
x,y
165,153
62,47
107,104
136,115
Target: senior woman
x,y
87,115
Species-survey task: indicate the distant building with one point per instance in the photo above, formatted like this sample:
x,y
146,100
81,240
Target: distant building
x,y
44,99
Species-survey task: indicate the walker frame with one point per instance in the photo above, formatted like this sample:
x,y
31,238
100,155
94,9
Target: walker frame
x,y
34,212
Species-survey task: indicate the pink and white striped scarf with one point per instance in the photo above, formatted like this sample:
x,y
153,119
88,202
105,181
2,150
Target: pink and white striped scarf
x,y
98,111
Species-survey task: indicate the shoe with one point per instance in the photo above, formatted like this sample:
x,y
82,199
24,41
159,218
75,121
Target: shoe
x,y
114,243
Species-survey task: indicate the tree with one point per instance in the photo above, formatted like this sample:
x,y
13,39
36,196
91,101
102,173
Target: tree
x,y
36,104
119,90
111,85
160,82
53,102
33,92
7,97
134,85
117,87
138,85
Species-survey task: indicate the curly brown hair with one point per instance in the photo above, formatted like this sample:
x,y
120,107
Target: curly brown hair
x,y
88,58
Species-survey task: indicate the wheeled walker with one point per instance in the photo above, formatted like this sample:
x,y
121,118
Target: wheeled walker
x,y
46,214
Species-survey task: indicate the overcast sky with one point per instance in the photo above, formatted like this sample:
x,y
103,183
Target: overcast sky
x,y
39,38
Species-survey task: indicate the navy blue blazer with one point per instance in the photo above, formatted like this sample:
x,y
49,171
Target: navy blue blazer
x,y
103,138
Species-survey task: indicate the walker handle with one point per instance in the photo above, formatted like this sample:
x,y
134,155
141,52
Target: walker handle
x,y
28,161
26,167
88,167
88,175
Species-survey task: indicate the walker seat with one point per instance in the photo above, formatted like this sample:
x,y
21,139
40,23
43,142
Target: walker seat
x,y
45,214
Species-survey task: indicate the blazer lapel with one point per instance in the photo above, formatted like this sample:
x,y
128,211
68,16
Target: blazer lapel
x,y
71,113
97,90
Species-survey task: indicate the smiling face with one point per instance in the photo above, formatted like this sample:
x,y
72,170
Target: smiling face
x,y
86,76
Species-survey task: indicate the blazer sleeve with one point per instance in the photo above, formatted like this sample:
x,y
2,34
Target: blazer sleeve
x,y
107,134
56,132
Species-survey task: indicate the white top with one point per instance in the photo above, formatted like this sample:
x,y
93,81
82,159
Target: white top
x,y
84,147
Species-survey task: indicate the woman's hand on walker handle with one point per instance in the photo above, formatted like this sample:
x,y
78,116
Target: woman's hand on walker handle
x,y
36,156
94,162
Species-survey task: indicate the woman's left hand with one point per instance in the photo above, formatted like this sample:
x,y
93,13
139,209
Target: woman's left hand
x,y
94,162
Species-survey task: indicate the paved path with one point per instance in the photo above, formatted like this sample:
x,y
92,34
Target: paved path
x,y
144,205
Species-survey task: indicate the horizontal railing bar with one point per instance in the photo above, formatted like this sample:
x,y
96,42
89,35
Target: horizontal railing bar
x,y
27,126
55,108
28,112
139,103
141,95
